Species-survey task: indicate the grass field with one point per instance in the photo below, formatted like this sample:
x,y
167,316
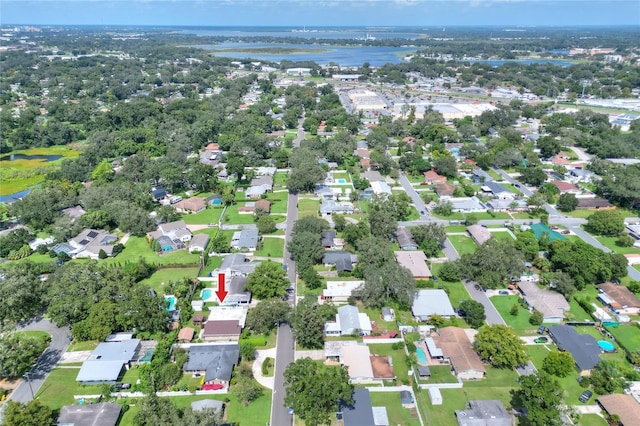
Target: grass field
x,y
502,236
441,374
455,228
397,414
19,175
280,179
232,216
463,244
83,346
60,386
592,420
138,247
271,247
307,207
444,415
610,243
209,215
520,322
586,213
497,384
279,201
628,335
159,280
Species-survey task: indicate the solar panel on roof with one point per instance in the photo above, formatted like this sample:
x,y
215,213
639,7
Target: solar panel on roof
x,y
84,242
92,234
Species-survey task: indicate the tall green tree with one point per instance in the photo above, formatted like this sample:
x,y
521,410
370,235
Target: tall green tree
x,y
558,363
155,411
268,281
267,314
473,313
18,353
429,237
33,413
540,395
308,323
605,222
500,346
567,202
314,390
20,293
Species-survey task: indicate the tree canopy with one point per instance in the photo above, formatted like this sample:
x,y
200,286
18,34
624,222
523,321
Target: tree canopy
x,y
500,346
540,395
268,281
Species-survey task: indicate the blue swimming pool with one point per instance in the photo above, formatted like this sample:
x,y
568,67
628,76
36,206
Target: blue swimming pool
x,y
216,202
341,180
206,294
606,346
422,357
172,303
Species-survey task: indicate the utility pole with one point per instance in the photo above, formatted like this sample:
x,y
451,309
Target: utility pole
x,y
28,379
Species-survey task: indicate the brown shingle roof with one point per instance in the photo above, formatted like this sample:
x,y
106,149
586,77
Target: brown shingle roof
x,y
620,294
186,334
265,205
456,345
625,406
222,328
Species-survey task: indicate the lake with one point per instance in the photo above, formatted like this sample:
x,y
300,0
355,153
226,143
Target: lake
x,y
321,54
310,33
14,157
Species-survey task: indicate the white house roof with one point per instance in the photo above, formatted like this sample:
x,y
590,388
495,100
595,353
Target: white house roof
x,y
356,359
341,288
430,302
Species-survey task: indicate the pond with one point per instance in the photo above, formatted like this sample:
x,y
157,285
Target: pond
x,y
14,157
15,196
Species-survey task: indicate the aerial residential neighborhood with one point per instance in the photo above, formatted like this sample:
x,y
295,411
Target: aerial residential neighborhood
x,y
195,239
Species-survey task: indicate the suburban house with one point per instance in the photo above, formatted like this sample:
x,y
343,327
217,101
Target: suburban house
x,y
221,331
172,235
73,212
228,313
327,239
380,188
467,205
624,406
348,321
329,207
237,293
245,240
594,204
158,193
431,302
540,229
106,361
484,413
236,264
445,189
199,243
253,206
388,314
90,242
415,261
191,205
356,359
342,260
405,239
99,414
619,298
373,176
497,191
259,186
566,187
431,177
325,192
550,303
479,234
480,176
455,346
215,362
583,347
362,412
576,175
339,291
504,205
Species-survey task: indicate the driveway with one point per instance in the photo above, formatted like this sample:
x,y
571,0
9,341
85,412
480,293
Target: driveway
x,y
493,317
47,361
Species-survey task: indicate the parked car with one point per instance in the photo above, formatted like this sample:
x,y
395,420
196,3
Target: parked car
x,y
541,340
120,386
542,329
586,395
503,292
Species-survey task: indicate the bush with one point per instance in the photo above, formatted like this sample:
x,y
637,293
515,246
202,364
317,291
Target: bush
x,y
266,365
536,318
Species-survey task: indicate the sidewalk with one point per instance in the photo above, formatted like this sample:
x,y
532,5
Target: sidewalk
x,y
267,382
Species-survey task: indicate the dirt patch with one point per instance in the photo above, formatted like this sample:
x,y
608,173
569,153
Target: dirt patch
x,y
382,369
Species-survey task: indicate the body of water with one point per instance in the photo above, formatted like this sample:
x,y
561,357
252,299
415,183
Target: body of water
x,y
14,157
498,62
13,197
321,54
378,33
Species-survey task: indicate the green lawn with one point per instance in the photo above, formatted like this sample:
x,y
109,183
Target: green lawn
x,y
444,415
455,228
455,290
441,374
586,213
40,335
398,356
279,201
375,315
497,384
520,322
307,207
231,216
592,420
610,243
397,414
160,279
463,244
138,247
342,175
280,179
83,346
628,335
213,262
271,247
208,215
502,236
60,386
576,311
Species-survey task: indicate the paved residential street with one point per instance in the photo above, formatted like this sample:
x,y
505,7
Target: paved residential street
x,y
46,362
493,317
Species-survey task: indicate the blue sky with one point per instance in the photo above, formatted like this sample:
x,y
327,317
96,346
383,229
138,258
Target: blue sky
x,y
321,12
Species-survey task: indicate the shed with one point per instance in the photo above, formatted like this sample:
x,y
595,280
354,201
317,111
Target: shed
x,y
435,396
424,372
406,399
388,314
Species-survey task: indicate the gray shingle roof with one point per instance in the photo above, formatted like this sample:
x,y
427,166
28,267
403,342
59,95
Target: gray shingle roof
x,y
583,347
360,413
216,360
341,259
101,414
